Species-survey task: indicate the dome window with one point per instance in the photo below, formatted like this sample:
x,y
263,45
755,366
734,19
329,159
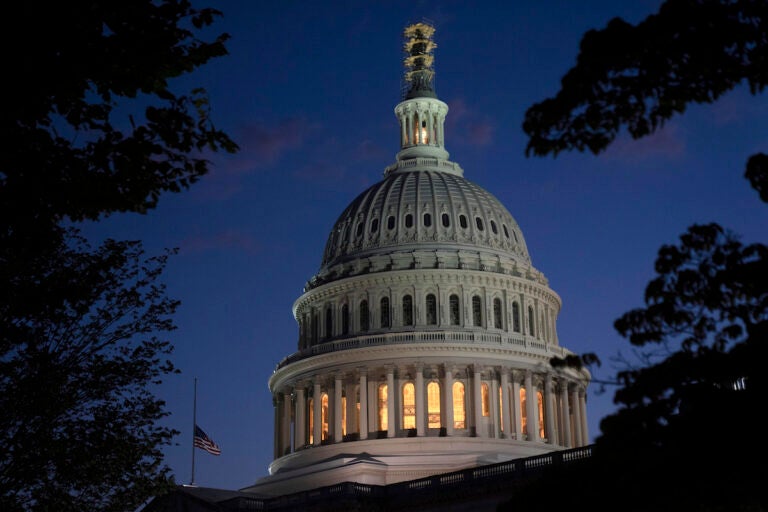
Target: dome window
x,y
360,229
479,223
497,313
384,311
345,319
453,303
446,220
407,310
364,316
409,221
506,232
431,309
391,222
515,234
375,225
515,317
493,228
463,221
427,220
477,311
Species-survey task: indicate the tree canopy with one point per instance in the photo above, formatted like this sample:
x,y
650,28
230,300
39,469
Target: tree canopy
x,y
674,441
96,123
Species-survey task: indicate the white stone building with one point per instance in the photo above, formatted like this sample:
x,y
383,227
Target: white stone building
x,y
426,336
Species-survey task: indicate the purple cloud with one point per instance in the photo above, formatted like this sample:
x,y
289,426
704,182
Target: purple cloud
x,y
224,240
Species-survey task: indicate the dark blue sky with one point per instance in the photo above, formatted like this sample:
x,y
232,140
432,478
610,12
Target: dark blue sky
x,y
308,92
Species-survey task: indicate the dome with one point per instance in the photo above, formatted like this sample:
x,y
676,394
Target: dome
x,y
427,212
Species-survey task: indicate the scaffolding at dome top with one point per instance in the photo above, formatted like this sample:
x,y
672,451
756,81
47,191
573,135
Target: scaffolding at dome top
x,y
419,73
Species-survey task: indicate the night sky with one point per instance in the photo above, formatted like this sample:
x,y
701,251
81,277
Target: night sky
x,y
308,93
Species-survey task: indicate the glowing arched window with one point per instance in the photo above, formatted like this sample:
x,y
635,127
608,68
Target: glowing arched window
x,y
433,405
382,407
311,407
364,316
345,319
540,401
453,303
486,399
407,310
501,405
328,322
384,310
409,405
497,313
523,412
531,322
343,416
324,417
515,317
431,309
459,409
477,311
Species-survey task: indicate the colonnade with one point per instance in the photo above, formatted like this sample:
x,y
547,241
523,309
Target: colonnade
x,y
446,400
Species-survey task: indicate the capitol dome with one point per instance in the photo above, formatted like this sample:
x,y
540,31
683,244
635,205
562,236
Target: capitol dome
x,y
426,335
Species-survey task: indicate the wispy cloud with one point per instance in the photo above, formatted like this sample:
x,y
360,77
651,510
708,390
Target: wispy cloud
x,y
467,127
224,240
667,142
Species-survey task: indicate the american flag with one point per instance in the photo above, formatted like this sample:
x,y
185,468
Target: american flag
x,y
206,443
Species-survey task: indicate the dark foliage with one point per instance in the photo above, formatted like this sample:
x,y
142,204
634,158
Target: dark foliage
x,y
91,126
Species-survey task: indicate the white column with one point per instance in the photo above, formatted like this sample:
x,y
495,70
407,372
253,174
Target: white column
x,y
286,425
363,404
349,392
337,409
420,397
517,409
494,392
583,414
299,424
505,423
448,401
317,407
531,409
549,410
565,416
576,417
391,392
477,399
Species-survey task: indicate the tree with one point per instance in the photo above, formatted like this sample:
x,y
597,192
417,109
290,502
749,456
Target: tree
x,y
93,128
704,328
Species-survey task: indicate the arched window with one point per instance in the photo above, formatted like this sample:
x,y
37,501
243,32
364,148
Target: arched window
x,y
391,222
359,228
383,422
407,310
328,322
515,317
364,316
531,322
459,408
409,221
384,309
446,220
494,228
427,220
345,319
343,415
375,225
433,405
311,408
431,309
540,402
497,313
315,327
463,221
477,311
479,223
506,231
324,431
409,405
523,412
486,399
453,303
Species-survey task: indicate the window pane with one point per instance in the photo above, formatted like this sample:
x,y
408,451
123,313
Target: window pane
x,y
477,313
382,406
459,417
515,317
324,416
431,310
454,306
409,406
497,313
409,220
433,405
446,220
364,320
427,220
407,310
384,312
486,399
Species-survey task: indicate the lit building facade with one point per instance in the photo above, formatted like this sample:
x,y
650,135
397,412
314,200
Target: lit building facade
x,y
425,337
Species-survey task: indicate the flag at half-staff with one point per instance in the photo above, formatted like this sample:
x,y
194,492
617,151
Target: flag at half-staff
x,y
206,443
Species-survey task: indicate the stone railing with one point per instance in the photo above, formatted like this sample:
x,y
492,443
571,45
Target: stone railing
x,y
461,337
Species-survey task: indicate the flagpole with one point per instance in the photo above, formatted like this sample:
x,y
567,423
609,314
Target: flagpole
x,y
194,426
